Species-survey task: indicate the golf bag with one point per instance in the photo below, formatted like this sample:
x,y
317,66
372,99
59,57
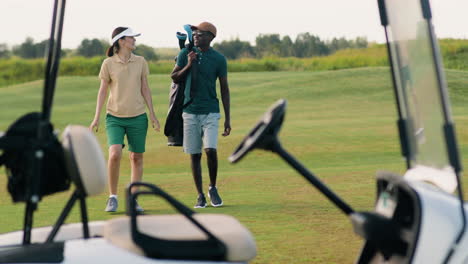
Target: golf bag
x,y
174,127
20,154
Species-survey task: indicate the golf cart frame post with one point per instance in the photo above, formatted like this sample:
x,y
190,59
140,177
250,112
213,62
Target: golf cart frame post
x,y
38,152
51,73
408,150
53,60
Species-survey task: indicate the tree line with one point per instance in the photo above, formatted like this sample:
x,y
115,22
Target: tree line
x,y
87,48
304,46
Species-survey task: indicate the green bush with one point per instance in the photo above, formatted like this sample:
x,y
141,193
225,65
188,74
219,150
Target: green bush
x,y
454,52
16,70
80,66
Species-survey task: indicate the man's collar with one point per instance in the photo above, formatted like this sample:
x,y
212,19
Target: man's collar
x,y
208,50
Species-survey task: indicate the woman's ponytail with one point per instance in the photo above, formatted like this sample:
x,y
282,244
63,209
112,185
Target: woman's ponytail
x,y
115,46
113,49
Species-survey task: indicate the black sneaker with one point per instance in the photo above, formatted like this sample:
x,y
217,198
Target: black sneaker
x,y
112,204
201,201
216,200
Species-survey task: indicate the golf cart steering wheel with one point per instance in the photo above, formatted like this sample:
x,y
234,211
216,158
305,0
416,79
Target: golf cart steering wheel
x,y
264,133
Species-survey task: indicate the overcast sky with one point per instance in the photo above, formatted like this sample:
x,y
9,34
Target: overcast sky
x,y
158,20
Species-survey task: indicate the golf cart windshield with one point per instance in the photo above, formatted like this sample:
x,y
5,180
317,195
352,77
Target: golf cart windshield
x,y
421,92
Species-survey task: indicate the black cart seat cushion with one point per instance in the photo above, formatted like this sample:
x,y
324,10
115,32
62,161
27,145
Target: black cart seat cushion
x,y
239,241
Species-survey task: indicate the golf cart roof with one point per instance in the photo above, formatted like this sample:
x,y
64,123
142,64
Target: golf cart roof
x,y
426,128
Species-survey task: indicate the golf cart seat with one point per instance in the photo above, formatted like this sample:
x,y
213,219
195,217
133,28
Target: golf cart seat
x,y
238,240
85,160
87,169
66,232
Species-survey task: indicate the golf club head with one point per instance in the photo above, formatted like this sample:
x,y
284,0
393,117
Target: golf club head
x,y
264,134
181,36
188,29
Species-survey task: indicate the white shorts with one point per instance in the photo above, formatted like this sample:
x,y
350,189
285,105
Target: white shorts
x,y
200,130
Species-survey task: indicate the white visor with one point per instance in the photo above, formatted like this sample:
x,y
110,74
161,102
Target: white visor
x,y
126,33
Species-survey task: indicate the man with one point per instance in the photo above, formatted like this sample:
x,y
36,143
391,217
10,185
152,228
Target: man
x,y
201,114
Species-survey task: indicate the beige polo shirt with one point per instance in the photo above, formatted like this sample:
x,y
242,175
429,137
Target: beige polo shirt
x,y
124,78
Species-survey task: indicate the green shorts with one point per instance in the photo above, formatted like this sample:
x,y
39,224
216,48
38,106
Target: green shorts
x,y
134,127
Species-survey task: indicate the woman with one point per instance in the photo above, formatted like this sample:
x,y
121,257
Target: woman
x,y
125,75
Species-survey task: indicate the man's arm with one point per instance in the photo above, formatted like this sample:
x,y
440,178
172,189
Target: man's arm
x,y
179,73
225,98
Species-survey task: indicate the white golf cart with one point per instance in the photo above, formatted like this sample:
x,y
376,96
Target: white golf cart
x,y
417,218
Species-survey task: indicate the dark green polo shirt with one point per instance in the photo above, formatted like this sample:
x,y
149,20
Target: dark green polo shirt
x,y
211,66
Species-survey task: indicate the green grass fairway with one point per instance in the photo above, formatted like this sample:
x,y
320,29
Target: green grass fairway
x,y
339,124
